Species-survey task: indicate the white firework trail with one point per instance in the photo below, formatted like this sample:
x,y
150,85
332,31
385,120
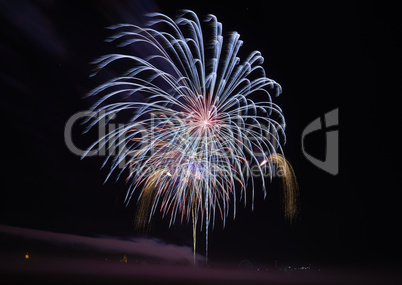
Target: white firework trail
x,y
192,136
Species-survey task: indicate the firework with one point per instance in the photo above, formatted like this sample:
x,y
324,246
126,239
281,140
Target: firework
x,y
193,139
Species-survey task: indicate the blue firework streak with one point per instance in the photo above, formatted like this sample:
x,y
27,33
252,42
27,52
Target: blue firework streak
x,y
193,137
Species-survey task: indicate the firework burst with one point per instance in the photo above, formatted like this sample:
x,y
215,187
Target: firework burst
x,y
193,138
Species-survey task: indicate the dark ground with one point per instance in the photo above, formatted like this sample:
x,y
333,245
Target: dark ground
x,y
71,271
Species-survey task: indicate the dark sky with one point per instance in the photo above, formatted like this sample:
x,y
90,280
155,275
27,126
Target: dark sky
x,y
325,56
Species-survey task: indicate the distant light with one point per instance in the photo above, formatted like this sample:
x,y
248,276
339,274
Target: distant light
x,y
124,259
263,162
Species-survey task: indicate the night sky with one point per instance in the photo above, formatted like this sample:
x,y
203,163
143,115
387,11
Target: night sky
x,y
325,56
